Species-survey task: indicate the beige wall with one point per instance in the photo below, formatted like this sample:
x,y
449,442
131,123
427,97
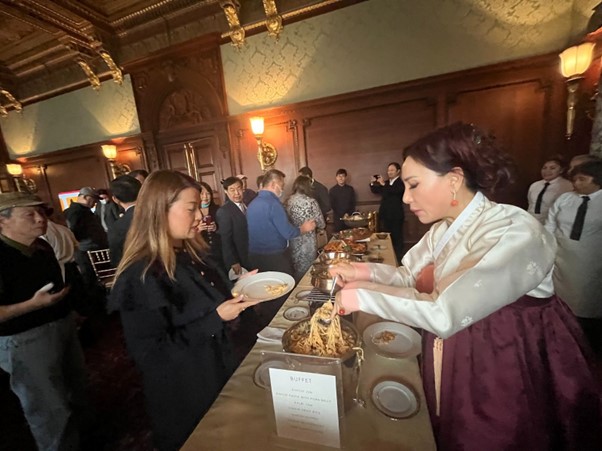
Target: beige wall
x,y
80,117
381,42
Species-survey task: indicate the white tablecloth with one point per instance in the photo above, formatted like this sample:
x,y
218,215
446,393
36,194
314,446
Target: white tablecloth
x,y
242,416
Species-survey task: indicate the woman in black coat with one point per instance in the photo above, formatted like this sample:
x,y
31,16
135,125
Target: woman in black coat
x,y
173,305
390,213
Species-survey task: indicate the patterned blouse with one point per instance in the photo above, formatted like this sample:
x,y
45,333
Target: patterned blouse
x,y
304,249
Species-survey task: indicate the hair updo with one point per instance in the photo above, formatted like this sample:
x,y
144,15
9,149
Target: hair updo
x,y
486,168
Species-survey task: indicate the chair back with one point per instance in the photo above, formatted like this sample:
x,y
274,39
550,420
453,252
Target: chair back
x,y
101,263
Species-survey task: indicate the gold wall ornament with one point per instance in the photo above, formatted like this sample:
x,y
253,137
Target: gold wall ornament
x,y
237,32
116,72
92,77
13,102
273,21
3,111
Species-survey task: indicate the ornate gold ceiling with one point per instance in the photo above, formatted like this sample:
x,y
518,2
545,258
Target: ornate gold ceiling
x,y
48,47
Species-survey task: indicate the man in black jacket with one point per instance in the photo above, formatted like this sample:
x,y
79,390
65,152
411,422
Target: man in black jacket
x,y
232,227
107,211
87,229
319,191
39,348
125,191
390,213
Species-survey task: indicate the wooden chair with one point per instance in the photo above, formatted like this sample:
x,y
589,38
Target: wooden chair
x,y
101,263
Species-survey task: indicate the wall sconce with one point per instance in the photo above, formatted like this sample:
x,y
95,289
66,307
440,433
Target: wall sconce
x,y
266,153
574,61
110,153
23,184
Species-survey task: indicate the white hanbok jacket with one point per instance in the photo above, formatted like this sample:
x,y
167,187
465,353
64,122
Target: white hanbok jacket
x,y
490,256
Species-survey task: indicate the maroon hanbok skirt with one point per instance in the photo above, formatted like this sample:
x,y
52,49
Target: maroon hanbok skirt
x,y
517,380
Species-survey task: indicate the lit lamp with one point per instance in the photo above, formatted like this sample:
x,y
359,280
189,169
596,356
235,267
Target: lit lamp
x,y
22,183
110,153
266,153
574,61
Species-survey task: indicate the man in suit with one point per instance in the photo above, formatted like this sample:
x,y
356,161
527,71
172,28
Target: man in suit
x,y
107,211
390,212
125,192
232,227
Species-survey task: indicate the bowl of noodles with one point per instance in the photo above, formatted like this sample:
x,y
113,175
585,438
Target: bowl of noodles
x,y
339,340
312,337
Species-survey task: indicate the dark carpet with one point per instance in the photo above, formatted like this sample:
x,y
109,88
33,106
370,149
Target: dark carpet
x,y
114,389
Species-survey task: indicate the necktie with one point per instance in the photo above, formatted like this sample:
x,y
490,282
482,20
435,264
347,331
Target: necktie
x,y
540,198
243,208
579,219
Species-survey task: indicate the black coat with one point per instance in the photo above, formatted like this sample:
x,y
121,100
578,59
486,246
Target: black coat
x,y
110,211
390,212
86,227
177,340
117,235
234,234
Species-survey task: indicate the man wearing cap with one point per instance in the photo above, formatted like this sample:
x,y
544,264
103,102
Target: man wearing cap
x,y
87,229
39,348
247,194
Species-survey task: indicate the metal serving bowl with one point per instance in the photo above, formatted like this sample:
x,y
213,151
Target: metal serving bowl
x,y
323,282
356,220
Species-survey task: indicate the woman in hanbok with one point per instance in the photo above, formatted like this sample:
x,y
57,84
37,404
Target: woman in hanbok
x,y
301,207
504,360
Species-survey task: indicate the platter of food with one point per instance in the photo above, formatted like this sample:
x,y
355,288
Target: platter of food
x,y
346,247
355,220
264,286
355,234
393,340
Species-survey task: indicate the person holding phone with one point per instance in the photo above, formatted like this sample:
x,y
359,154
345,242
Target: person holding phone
x,y
390,212
39,348
208,226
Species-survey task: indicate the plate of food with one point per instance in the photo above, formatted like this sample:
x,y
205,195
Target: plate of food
x,y
394,399
264,286
393,340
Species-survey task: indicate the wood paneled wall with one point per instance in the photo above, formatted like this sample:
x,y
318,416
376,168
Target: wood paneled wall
x,y
72,169
522,103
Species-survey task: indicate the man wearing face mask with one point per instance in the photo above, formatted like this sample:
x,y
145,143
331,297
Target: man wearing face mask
x,y
107,211
269,234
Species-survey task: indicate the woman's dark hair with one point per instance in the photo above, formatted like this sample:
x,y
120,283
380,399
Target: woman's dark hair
x,y
590,168
559,160
135,172
302,185
485,166
206,187
396,164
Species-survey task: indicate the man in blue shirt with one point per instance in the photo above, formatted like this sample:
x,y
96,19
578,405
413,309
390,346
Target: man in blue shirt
x,y
269,227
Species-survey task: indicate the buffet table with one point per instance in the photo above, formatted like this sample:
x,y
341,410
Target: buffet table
x,y
242,416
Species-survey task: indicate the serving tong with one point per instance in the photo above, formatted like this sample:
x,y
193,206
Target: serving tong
x,y
327,321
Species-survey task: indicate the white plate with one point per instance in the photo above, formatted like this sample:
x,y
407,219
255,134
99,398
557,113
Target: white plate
x,y
261,377
394,399
296,313
256,286
406,343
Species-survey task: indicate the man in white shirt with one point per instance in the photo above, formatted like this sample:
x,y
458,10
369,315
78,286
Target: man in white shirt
x,y
576,221
543,193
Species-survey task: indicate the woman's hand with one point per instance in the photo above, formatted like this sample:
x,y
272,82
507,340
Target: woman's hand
x,y
248,274
230,309
345,272
202,227
211,227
